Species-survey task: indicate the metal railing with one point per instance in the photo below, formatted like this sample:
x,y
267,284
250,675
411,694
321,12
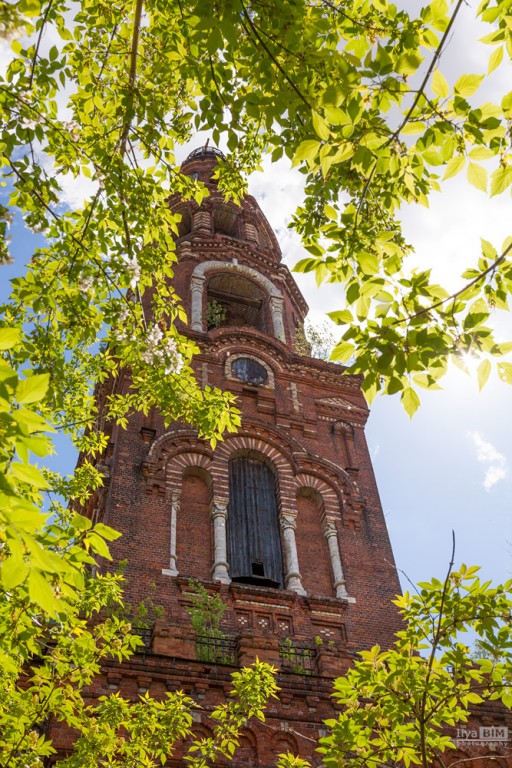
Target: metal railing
x,y
300,659
216,650
206,152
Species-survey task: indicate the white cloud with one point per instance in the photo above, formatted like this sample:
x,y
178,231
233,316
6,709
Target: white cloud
x,y
486,453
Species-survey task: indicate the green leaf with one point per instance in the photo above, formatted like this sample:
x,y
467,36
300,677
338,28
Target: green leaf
x,y
344,152
495,59
505,372
341,317
81,523
8,337
477,176
410,401
106,532
26,473
440,85
501,179
33,389
306,265
321,126
413,128
481,153
368,262
455,165
98,545
425,381
342,352
483,372
307,150
41,593
14,572
468,84
490,252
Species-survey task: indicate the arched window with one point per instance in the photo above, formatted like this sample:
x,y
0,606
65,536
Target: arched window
x,y
233,300
254,545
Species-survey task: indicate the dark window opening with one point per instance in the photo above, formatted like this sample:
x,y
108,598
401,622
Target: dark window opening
x,y
254,544
225,221
249,371
185,225
235,301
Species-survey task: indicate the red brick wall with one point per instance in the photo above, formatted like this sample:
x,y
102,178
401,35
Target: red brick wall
x,y
312,548
194,545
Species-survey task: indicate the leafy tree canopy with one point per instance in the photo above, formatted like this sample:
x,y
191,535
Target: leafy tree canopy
x,y
352,93
404,706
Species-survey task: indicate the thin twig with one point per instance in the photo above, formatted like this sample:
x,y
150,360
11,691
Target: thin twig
x,y
394,136
435,641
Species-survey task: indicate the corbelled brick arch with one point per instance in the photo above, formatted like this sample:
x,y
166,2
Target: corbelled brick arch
x,y
284,741
347,490
330,498
170,454
177,465
263,445
173,455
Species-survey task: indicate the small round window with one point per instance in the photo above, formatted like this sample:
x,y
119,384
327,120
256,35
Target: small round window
x,y
248,370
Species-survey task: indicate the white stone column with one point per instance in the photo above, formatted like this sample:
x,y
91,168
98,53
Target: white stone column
x,y
292,577
276,308
196,312
220,564
175,509
331,536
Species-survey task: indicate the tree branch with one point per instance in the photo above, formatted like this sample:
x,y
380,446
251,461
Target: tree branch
x,y
273,58
133,73
38,43
423,85
496,263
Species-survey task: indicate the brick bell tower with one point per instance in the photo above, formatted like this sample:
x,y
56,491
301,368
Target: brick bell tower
x,y
283,520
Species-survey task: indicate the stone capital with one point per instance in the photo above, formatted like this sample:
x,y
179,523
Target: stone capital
x,y
330,529
219,508
288,520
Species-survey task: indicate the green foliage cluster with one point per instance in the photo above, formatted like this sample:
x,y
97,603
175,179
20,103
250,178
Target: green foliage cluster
x,y
120,733
206,612
334,86
402,706
215,314
61,620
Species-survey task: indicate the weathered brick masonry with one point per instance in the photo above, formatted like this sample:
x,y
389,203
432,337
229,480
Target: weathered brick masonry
x,y
174,499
